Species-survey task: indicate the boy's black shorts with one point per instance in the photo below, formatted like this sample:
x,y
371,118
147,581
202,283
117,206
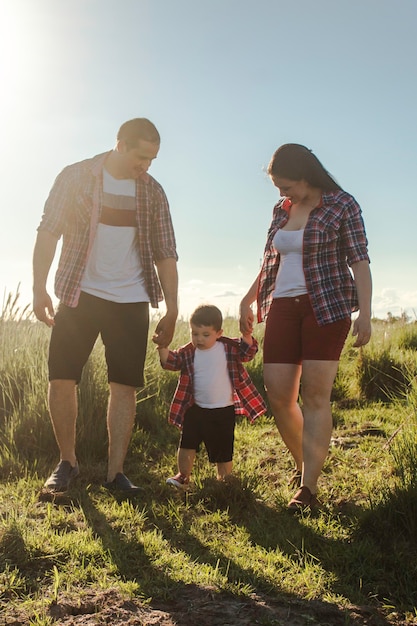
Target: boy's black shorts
x,y
123,328
213,427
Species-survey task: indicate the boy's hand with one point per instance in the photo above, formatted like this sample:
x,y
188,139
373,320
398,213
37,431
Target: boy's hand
x,y
247,338
163,354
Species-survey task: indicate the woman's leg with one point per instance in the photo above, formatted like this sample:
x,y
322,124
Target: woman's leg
x,y
282,383
224,470
317,381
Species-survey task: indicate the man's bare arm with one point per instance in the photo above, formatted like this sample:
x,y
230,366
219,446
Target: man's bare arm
x,y
43,255
168,276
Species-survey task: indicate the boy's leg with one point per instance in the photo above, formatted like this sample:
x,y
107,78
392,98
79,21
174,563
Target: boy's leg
x,y
219,429
188,448
186,458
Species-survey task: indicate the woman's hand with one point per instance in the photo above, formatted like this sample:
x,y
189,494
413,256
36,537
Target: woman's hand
x,y
362,330
246,316
246,319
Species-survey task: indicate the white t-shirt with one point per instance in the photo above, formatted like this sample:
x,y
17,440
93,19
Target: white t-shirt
x,y
212,386
290,280
114,270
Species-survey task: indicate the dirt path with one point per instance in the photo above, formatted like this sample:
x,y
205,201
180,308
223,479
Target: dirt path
x,y
204,607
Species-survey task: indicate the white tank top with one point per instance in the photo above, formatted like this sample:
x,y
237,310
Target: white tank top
x,y
212,386
290,280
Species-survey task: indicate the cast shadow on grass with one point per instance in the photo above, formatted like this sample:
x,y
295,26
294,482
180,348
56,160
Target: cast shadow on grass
x,y
246,513
24,569
185,600
267,603
361,571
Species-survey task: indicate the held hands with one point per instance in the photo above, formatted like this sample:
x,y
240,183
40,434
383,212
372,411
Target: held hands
x,y
361,330
246,319
164,330
43,308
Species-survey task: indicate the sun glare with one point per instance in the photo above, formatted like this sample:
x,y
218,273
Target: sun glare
x,y
20,53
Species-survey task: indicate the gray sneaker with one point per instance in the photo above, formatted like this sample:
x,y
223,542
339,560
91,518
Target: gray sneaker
x,y
122,485
59,480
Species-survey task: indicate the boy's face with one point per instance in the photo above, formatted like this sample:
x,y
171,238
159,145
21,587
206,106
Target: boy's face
x,y
204,337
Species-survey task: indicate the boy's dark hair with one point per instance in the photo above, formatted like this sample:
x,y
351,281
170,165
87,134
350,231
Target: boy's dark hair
x,y
138,128
207,315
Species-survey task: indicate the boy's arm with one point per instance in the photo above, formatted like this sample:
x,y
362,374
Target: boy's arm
x,y
163,354
248,348
247,338
172,360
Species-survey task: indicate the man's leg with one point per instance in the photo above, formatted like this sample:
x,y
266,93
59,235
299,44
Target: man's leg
x,y
72,339
63,411
124,332
120,419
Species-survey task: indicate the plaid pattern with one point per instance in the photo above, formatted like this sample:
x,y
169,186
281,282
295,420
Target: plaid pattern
x,y
73,210
247,399
334,239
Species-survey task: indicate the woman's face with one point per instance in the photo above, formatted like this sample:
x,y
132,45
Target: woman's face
x,y
295,190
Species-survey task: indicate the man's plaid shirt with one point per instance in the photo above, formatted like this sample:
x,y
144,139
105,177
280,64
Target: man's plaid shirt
x,y
247,400
334,239
73,211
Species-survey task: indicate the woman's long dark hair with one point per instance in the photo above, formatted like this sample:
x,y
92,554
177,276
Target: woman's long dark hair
x,y
297,162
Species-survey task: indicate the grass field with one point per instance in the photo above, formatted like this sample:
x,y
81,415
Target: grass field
x,y
224,553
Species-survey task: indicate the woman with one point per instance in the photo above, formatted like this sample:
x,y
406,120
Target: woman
x,y
307,293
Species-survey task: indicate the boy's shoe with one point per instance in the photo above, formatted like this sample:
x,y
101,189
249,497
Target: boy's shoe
x,y
179,481
121,484
59,480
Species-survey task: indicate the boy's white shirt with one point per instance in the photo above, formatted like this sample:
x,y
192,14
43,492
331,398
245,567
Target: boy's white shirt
x,y
212,386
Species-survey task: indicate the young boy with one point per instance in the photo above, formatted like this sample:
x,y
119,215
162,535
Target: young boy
x,y
213,388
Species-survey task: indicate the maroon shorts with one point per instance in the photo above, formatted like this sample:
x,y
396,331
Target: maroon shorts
x,y
292,334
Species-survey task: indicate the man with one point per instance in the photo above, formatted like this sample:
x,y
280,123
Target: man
x,y
118,256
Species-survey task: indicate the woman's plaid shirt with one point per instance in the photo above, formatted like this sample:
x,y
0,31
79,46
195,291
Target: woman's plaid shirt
x,y
334,239
73,211
248,401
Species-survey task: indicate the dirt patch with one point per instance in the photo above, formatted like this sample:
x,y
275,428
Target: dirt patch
x,y
203,607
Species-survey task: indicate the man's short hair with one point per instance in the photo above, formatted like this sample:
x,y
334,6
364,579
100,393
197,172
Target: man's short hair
x,y
138,128
207,315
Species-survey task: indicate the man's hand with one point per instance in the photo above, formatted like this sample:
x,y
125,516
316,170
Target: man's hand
x,y
43,255
43,308
164,330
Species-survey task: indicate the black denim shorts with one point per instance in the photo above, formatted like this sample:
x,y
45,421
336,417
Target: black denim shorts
x,y
123,328
213,427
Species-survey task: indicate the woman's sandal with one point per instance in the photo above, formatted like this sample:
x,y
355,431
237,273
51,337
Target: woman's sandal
x,y
303,500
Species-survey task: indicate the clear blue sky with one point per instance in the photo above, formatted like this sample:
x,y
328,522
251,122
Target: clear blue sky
x,y
226,82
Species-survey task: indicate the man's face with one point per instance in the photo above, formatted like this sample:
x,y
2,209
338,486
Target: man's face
x,y
136,161
204,337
